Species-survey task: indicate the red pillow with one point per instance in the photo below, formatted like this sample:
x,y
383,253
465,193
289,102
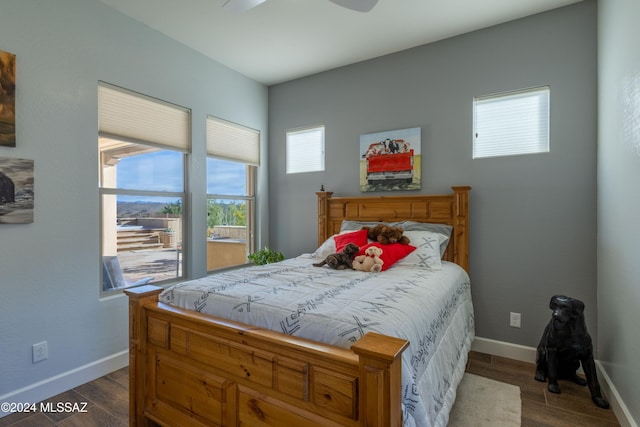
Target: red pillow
x,y
391,253
358,238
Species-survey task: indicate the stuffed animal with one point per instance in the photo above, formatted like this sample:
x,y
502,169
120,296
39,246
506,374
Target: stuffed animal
x,y
386,234
370,261
341,260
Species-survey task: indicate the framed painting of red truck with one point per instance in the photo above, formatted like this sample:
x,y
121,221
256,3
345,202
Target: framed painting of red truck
x,y
391,160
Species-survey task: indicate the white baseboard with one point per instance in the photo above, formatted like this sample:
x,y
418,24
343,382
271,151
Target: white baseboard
x,y
528,354
50,387
504,349
617,404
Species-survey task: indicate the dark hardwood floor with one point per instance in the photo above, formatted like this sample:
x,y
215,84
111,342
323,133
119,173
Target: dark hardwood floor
x,y
107,400
107,405
540,408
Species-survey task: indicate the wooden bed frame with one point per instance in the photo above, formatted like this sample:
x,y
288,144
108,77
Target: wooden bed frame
x,y
191,369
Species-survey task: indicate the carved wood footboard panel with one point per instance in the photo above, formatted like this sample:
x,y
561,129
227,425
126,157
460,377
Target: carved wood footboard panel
x,y
190,369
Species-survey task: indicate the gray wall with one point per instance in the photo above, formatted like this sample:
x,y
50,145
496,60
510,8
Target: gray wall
x,y
619,197
533,218
49,270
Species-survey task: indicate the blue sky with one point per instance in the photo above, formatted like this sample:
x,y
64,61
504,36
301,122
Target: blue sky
x,y
163,171
225,177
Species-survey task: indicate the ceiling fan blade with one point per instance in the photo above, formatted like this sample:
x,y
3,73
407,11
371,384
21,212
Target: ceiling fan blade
x,y
241,5
357,5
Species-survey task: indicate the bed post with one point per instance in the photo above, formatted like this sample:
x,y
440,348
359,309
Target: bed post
x,y
380,397
138,298
323,214
461,226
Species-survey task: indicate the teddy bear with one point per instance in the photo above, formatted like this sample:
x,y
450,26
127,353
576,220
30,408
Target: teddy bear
x,y
386,234
341,260
370,261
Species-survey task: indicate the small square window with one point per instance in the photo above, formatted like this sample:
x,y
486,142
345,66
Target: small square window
x,y
511,123
305,150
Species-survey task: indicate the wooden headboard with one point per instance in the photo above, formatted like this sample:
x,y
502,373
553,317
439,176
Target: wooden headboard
x,y
452,209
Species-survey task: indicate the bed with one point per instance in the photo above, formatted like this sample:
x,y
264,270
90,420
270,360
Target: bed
x,y
192,366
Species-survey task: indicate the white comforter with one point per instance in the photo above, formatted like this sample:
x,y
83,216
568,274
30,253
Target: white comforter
x,y
430,308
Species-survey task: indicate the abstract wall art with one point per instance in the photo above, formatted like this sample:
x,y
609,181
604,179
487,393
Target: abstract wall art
x,y
7,99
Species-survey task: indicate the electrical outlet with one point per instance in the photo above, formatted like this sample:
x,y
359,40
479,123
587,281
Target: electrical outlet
x,y
514,319
39,351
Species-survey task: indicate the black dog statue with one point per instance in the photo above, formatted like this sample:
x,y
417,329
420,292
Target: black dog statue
x,y
566,344
342,260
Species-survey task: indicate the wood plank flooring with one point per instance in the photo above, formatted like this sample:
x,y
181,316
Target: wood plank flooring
x,y
107,405
540,408
107,400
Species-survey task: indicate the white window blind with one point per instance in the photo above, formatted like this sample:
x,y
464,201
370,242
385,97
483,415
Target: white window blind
x,y
231,141
305,150
134,117
511,123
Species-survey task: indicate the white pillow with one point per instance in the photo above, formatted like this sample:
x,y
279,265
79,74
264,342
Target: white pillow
x,y
443,229
327,248
427,253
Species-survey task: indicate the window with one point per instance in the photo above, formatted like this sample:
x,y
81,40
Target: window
x,y
305,150
511,123
233,157
142,147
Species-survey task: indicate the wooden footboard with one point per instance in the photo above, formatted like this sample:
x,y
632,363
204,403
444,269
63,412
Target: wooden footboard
x,y
190,369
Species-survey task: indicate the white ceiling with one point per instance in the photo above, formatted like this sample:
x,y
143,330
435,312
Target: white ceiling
x,y
281,40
